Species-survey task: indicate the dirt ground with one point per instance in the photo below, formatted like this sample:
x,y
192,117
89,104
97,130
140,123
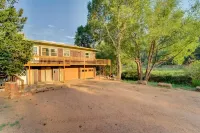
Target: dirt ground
x,y
93,106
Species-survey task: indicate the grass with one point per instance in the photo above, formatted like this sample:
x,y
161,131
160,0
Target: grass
x,y
2,126
16,123
5,106
175,86
169,70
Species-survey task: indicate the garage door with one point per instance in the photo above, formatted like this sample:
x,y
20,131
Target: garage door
x,y
71,73
87,73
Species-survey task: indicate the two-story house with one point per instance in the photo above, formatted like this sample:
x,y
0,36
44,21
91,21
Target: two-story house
x,y
61,62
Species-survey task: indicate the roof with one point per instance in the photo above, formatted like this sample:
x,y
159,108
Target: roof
x,y
49,43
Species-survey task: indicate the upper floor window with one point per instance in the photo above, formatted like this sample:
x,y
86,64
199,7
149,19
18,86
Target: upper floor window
x,y
35,50
49,52
87,55
66,53
54,52
45,51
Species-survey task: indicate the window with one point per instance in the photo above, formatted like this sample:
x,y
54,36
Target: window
x,y
35,50
45,52
87,55
49,52
66,52
54,52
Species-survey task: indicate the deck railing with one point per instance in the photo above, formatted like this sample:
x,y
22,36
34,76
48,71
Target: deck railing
x,y
65,61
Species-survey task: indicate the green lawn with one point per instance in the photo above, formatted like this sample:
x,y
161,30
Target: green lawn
x,y
175,86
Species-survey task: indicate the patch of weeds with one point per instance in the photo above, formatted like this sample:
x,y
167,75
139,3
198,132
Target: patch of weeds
x,y
2,126
129,81
6,106
16,123
153,83
175,86
184,87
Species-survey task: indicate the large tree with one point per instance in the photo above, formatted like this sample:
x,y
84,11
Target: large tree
x,y
84,37
164,32
109,21
15,51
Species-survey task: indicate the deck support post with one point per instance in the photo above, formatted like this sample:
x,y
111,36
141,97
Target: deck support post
x,y
63,69
84,69
29,74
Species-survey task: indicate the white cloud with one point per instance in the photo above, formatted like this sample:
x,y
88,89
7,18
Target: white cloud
x,y
51,26
70,37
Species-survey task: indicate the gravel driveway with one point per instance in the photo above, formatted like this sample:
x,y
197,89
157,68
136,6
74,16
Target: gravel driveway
x,y
93,106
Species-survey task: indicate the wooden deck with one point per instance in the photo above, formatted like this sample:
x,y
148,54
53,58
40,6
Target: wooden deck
x,y
66,61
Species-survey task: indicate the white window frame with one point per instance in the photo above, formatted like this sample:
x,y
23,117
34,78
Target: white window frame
x,y
49,48
87,55
55,50
37,54
64,52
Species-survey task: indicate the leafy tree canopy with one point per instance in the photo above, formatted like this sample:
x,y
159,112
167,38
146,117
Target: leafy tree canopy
x,y
15,51
84,37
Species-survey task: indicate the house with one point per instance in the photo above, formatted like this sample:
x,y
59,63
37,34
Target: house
x,y
58,62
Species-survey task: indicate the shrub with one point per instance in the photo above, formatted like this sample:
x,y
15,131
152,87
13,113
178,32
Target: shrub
x,y
194,72
174,79
195,82
129,75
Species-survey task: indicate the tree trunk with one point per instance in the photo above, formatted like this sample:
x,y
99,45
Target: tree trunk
x,y
139,70
119,67
150,57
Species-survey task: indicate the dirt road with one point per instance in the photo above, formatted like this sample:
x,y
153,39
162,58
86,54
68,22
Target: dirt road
x,y
103,107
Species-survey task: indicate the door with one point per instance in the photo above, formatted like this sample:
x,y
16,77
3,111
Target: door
x,y
55,74
43,75
48,74
35,76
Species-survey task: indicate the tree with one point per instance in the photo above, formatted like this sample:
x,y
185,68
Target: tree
x,y
105,51
164,32
15,51
109,21
84,37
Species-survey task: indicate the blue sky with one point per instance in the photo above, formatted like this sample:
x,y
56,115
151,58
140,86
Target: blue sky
x,y
55,20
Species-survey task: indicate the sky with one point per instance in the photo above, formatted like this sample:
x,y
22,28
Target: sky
x,y
55,20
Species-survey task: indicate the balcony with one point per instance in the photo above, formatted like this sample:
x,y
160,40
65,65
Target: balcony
x,y
66,61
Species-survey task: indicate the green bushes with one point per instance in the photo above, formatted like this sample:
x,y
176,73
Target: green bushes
x,y
179,79
194,72
129,75
195,82
168,74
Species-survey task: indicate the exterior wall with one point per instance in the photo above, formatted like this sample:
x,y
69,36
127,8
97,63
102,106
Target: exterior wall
x,y
60,52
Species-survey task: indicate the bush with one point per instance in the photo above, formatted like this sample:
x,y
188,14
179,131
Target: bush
x,y
173,79
194,72
129,75
195,82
